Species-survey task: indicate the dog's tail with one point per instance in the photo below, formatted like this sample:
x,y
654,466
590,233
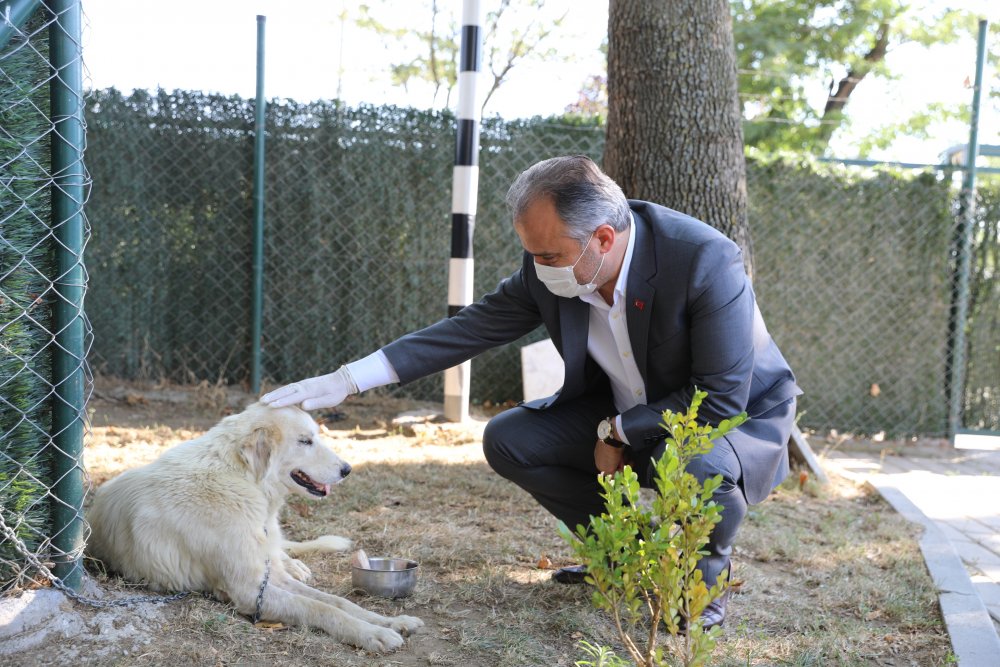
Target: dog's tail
x,y
325,543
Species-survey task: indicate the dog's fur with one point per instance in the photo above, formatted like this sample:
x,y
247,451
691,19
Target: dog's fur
x,y
204,517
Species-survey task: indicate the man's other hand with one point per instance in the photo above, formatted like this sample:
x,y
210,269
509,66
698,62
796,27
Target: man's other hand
x,y
608,459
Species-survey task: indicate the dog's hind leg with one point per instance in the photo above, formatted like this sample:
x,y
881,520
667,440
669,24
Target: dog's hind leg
x,y
402,624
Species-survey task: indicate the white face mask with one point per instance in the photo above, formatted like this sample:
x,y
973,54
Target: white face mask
x,y
561,281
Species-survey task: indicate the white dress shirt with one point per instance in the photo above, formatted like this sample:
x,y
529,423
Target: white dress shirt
x,y
609,345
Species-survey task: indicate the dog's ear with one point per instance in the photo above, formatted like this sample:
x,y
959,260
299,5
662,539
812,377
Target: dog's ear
x,y
256,453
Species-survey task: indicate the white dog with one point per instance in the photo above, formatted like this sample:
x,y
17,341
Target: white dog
x,y
204,517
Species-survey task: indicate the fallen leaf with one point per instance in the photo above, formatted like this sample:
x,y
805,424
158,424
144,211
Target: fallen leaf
x,y
736,585
544,563
803,478
576,635
269,625
874,390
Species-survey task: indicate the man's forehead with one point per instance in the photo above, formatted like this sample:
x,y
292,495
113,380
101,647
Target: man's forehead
x,y
541,238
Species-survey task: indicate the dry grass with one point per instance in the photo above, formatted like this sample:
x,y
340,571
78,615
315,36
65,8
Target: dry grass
x,y
830,576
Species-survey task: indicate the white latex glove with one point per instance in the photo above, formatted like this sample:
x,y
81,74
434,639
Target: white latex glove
x,y
324,391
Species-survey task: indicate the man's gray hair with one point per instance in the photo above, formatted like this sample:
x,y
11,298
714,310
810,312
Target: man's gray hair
x,y
584,196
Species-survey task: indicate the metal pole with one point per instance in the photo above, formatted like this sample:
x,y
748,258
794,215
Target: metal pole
x,y
13,14
464,195
959,311
258,214
68,223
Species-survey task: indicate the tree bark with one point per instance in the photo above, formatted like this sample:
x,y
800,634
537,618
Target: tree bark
x,y
674,130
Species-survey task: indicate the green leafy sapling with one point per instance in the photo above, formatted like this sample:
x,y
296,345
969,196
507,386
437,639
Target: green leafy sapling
x,y
642,561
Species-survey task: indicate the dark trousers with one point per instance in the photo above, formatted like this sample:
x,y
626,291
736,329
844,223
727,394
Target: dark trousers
x,y
550,454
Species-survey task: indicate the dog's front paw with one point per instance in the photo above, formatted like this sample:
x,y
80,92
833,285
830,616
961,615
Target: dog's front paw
x,y
405,624
380,640
297,569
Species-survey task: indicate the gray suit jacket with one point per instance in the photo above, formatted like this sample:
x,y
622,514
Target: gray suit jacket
x,y
692,319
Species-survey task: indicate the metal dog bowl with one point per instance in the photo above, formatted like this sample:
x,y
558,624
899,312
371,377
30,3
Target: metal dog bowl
x,y
386,577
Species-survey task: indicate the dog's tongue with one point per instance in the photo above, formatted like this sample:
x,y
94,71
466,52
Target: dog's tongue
x,y
326,489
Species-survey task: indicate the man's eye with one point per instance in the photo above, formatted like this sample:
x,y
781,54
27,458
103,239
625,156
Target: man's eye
x,y
306,441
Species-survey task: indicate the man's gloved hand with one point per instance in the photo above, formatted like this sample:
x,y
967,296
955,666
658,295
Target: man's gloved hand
x,y
324,391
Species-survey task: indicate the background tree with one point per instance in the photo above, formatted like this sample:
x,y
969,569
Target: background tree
x,y
800,62
509,41
592,100
674,132
788,50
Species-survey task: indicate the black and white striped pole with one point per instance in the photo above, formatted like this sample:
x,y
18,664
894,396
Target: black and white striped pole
x,y
464,194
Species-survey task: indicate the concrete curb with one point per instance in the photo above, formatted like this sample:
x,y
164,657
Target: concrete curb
x,y
974,639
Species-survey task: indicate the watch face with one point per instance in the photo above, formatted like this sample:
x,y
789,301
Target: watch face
x,y
604,429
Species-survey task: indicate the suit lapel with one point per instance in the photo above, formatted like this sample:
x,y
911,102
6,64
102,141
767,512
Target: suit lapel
x,y
639,292
574,318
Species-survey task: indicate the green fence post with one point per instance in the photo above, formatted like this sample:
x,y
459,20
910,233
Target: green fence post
x,y
258,214
68,195
963,244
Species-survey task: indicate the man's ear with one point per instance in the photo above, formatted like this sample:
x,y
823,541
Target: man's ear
x,y
605,235
256,452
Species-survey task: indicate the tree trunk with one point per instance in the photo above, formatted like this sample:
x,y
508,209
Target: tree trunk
x,y
674,131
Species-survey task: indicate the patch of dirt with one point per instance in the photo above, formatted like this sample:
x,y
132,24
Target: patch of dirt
x,y
826,574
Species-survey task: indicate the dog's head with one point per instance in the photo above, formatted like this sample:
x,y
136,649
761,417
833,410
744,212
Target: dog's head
x,y
285,446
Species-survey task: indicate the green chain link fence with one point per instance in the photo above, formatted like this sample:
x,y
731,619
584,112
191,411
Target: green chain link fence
x,y
853,264
358,226
981,393
44,335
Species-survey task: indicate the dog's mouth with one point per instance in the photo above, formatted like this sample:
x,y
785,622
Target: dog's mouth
x,y
309,484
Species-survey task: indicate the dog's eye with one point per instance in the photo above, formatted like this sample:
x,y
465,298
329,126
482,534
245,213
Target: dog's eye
x,y
306,441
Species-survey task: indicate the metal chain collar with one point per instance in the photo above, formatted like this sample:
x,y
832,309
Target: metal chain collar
x,y
263,585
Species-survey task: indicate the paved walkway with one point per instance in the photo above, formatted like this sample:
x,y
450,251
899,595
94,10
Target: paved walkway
x,y
955,495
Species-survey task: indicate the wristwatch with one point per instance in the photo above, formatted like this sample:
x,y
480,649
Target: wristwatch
x,y
604,431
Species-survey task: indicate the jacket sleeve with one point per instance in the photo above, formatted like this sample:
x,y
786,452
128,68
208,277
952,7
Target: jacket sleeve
x,y
500,317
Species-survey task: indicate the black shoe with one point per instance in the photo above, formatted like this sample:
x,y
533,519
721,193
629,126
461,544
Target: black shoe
x,y
713,615
715,612
574,574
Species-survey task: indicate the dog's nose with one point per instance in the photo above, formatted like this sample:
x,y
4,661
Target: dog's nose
x,y
345,470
